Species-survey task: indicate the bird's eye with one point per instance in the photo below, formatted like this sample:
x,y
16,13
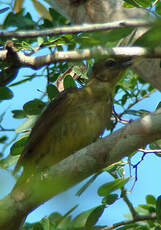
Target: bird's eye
x,y
110,63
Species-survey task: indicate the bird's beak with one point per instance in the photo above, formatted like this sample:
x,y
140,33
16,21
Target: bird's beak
x,y
127,63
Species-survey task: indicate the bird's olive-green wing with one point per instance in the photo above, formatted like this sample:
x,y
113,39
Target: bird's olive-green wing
x,y
52,114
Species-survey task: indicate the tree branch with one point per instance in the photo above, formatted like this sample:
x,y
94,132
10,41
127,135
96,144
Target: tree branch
x,y
79,28
75,55
77,167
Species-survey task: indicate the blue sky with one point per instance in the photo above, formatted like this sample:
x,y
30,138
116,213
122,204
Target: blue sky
x,y
148,170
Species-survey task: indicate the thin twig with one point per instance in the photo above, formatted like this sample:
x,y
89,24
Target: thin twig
x,y
129,204
154,3
4,129
126,222
147,9
150,150
136,101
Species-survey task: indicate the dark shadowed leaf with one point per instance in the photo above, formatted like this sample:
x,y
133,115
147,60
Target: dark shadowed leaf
x,y
18,146
158,209
52,91
18,114
3,139
81,220
94,216
87,184
69,82
19,20
34,107
110,199
5,93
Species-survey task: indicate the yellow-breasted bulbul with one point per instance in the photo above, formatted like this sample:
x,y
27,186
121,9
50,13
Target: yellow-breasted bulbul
x,y
74,119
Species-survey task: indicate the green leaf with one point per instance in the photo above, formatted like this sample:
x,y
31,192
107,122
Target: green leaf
x,y
60,20
143,93
8,161
77,70
151,209
109,199
155,145
106,189
143,112
150,88
144,3
5,93
143,208
3,139
18,114
30,78
130,3
151,38
117,34
34,107
140,112
55,217
150,199
2,116
124,99
70,211
19,20
158,209
158,106
37,226
52,91
115,166
18,146
87,184
80,221
69,82
40,41
45,224
94,216
158,8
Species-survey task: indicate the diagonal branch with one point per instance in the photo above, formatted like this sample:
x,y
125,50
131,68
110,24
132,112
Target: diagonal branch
x,y
78,28
77,167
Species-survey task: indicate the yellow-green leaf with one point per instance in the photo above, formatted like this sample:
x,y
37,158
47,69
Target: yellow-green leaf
x,y
18,5
41,9
107,188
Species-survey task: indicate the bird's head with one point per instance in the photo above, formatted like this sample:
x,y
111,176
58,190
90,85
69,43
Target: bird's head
x,y
110,70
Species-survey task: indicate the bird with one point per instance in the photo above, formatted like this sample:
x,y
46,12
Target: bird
x,y
73,120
